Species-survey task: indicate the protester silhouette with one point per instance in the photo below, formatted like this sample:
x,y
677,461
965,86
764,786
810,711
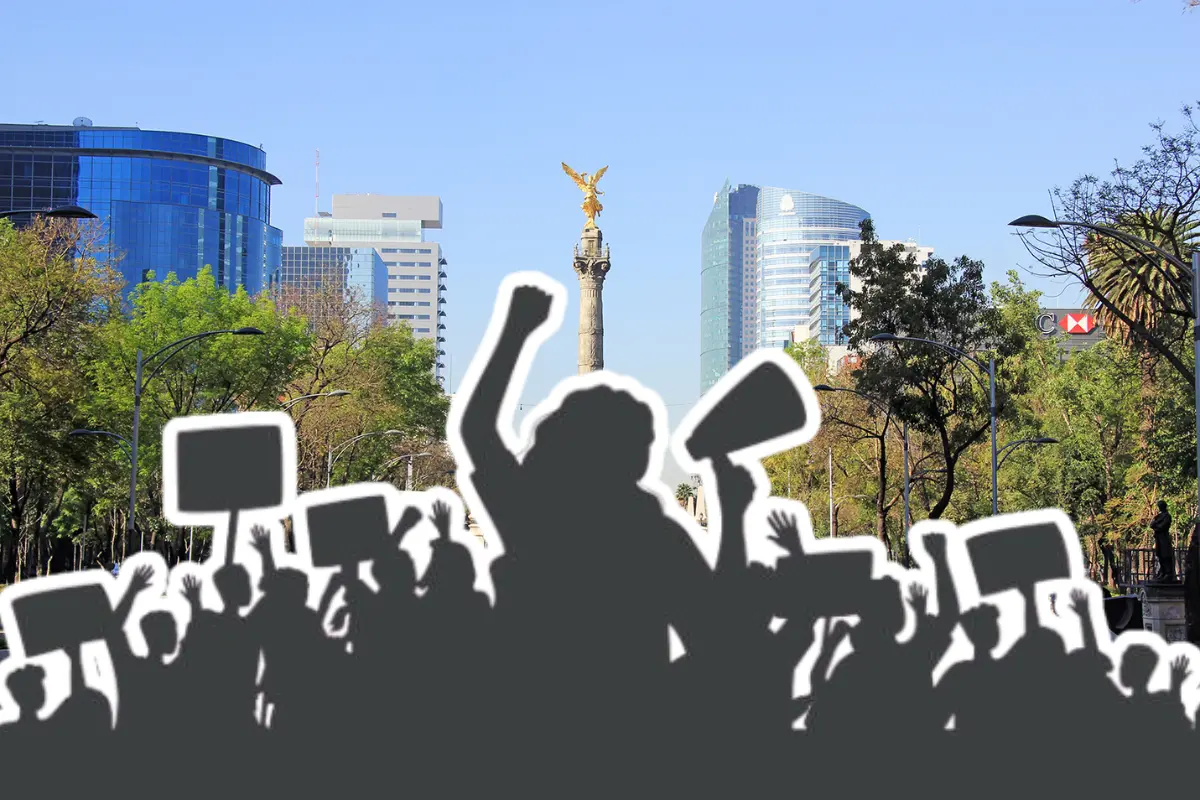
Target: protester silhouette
x,y
589,588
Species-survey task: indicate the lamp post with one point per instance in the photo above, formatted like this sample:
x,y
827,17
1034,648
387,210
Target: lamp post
x,y
62,212
139,384
989,367
1136,242
824,387
295,400
408,479
335,452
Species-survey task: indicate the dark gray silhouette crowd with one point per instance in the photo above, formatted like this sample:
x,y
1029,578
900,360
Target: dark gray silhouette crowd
x,y
565,685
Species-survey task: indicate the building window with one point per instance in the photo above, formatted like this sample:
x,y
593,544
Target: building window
x,y
389,250
423,277
404,263
389,215
421,330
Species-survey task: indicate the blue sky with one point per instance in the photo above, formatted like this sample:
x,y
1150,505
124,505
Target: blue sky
x,y
942,119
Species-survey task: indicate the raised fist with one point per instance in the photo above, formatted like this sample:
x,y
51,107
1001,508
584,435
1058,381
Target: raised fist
x,y
935,544
530,307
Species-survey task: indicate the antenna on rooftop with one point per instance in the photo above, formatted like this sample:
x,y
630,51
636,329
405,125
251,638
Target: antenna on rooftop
x,y
317,193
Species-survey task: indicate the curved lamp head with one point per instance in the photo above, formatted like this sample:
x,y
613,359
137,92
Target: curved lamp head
x,y
1033,221
884,337
823,387
71,212
391,431
1045,440
79,432
246,332
337,393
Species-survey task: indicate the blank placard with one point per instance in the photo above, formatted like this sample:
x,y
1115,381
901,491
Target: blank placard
x,y
348,531
63,618
1018,558
229,468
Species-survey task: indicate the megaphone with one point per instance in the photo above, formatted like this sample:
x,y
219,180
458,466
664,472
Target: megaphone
x,y
762,406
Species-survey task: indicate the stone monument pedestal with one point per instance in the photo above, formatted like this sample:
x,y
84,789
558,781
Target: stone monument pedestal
x,y
1163,610
591,265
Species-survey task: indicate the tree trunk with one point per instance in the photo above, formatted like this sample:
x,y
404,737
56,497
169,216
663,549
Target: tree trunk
x,y
881,500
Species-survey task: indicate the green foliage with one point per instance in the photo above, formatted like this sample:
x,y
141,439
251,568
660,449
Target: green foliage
x,y
73,366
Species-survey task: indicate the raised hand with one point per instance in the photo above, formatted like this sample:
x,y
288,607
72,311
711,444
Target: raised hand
x,y
918,597
441,518
1079,602
935,545
260,539
1180,670
191,589
530,307
786,533
140,581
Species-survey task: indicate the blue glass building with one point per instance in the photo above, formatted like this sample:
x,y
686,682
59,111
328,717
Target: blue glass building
x,y
802,245
170,202
360,272
726,282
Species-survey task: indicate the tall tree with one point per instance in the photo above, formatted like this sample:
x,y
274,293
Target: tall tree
x,y
933,390
54,295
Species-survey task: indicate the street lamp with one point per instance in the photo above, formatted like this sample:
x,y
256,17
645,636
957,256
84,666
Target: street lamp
x,y
62,212
1012,445
408,476
295,400
989,367
824,387
167,353
1136,242
347,443
109,434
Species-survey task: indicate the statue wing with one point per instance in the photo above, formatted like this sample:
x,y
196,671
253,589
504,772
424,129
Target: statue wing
x,y
574,176
596,177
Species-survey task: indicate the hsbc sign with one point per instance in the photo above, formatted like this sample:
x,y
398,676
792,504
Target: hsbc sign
x,y
1074,322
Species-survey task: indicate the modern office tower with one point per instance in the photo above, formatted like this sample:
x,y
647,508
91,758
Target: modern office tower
x,y
829,265
358,272
727,282
395,227
169,202
799,236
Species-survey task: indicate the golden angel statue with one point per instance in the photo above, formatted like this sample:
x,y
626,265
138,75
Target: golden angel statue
x,y
591,205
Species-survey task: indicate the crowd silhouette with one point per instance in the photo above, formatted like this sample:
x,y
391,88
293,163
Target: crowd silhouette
x,y
408,682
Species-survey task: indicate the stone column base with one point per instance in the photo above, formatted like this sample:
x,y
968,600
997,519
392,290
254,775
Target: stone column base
x,y
1163,610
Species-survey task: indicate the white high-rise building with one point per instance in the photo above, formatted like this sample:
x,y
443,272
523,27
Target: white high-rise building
x,y
829,314
394,225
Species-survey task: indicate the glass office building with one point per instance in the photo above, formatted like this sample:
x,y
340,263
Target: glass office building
x,y
727,292
170,202
357,271
795,232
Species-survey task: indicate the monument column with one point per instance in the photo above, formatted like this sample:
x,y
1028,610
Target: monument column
x,y
591,265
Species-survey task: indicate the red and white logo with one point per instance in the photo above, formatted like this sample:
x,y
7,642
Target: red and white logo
x,y
1077,323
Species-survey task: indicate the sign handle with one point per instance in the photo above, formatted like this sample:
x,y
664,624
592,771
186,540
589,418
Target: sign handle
x,y
231,536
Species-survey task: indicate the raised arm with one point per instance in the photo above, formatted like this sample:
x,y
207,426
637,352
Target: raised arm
x,y
137,584
408,520
529,309
261,541
735,490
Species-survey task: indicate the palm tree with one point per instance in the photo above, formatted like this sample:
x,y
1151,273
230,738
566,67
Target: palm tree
x,y
684,492
1150,291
